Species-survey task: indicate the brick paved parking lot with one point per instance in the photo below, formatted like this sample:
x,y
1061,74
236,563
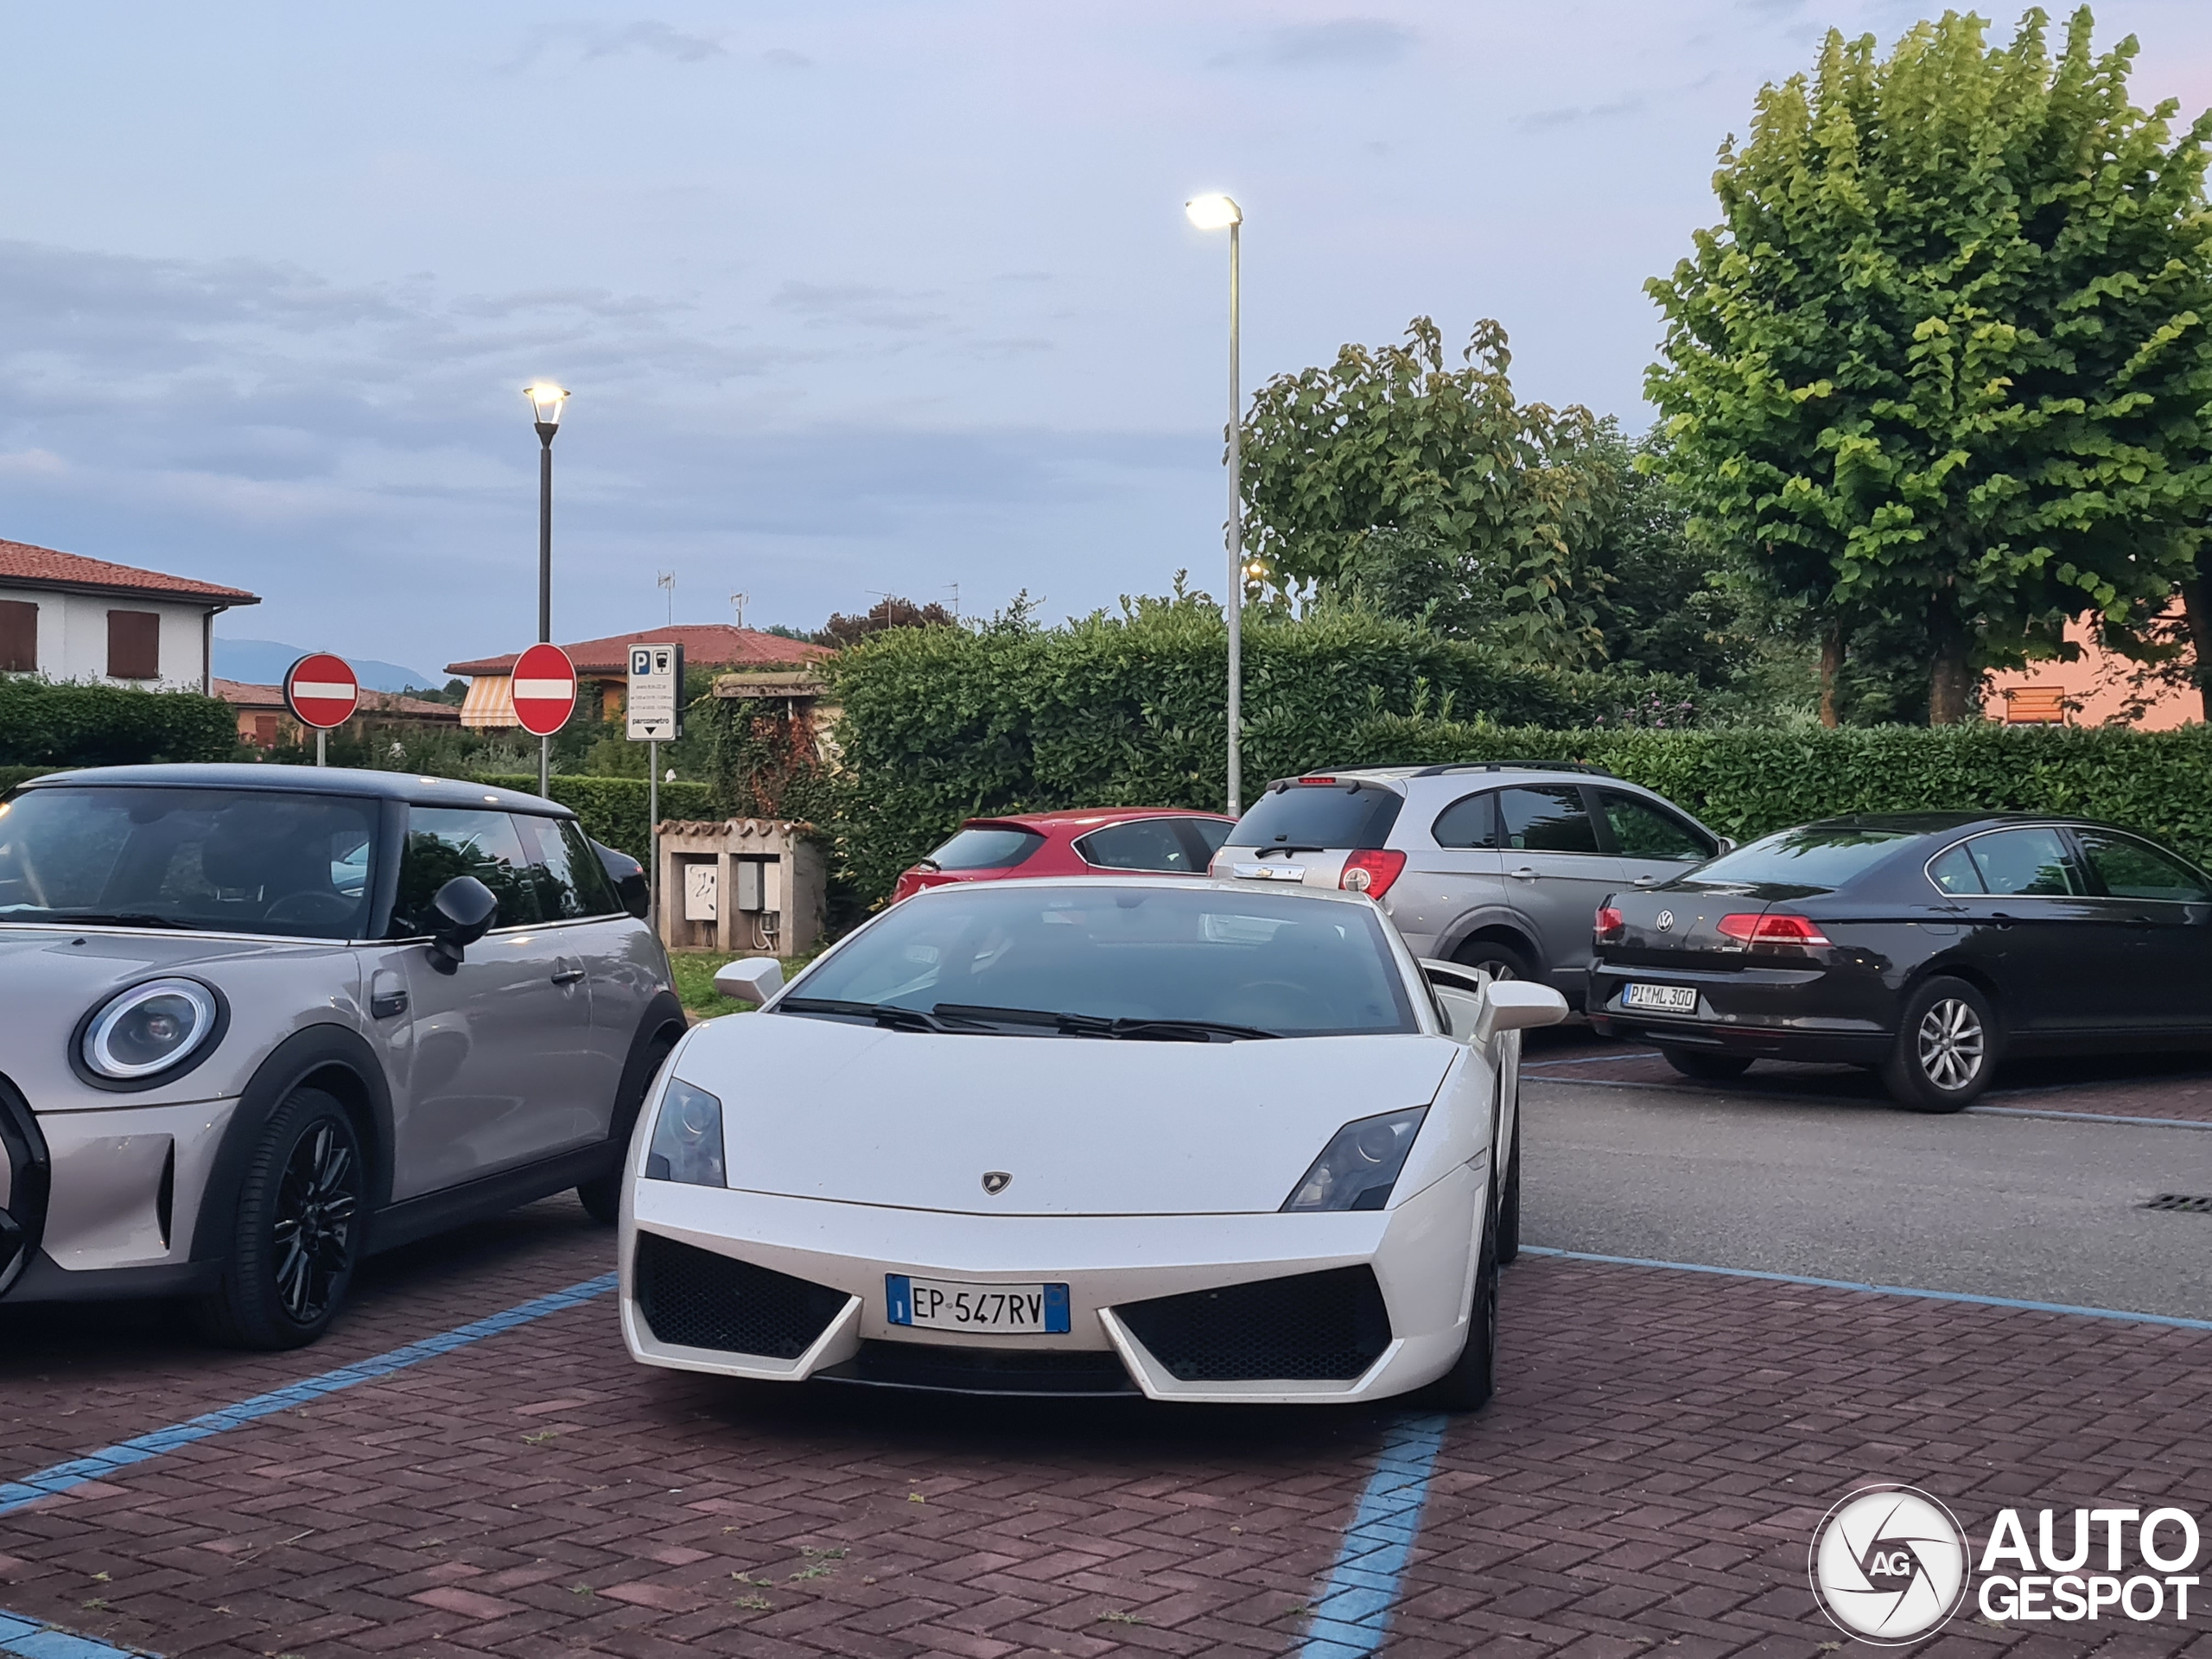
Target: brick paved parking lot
x,y
1646,1482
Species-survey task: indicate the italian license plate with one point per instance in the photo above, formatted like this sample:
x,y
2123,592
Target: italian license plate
x,y
1661,999
948,1304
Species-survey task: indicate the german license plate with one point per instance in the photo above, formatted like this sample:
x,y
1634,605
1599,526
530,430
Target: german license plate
x,y
1661,999
948,1304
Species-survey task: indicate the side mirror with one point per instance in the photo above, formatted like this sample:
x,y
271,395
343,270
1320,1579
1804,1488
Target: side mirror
x,y
1727,845
750,979
464,908
1517,1005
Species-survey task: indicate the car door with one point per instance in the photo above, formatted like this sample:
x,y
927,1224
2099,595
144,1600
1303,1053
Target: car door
x,y
1653,844
1555,871
2034,928
490,1063
1453,869
2161,914
620,958
1204,837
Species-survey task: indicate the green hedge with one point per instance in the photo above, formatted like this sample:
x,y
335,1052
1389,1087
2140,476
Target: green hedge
x,y
1745,782
943,723
46,724
613,809
10,775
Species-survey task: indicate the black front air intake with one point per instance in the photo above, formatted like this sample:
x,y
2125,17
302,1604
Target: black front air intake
x,y
695,1299
983,1370
1310,1327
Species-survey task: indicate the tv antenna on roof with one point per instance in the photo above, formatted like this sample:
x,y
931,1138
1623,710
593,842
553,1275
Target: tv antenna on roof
x,y
737,604
668,582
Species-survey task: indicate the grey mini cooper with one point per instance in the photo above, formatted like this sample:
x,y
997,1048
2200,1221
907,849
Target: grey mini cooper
x,y
258,1022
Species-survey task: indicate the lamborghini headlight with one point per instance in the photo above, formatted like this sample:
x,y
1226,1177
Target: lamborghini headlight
x,y
149,1028
687,1138
1360,1165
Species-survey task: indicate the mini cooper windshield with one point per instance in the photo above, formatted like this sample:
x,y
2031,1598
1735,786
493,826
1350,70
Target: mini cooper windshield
x,y
1115,962
208,860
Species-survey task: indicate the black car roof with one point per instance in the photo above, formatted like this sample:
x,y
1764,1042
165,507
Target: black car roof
x,y
1936,824
406,786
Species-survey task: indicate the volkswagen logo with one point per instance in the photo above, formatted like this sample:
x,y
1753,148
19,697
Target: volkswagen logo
x,y
1888,1565
996,1181
1666,920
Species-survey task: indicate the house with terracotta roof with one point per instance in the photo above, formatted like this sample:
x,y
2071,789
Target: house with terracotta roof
x,y
265,719
70,618
605,662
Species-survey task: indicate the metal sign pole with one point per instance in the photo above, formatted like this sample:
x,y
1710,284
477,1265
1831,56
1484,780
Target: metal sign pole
x,y
321,747
653,835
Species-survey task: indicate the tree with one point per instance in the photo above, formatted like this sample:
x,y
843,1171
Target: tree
x,y
1429,490
1944,366
889,612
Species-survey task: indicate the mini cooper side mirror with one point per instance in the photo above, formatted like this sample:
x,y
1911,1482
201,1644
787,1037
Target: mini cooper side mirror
x,y
750,979
1516,1005
463,908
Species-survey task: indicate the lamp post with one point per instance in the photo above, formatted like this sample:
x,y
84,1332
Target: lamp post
x,y
1214,213
546,402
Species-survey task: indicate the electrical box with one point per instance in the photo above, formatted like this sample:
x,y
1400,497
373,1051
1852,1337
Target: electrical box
x,y
700,893
750,884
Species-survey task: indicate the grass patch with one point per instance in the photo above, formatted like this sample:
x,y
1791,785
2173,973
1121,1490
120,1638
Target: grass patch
x,y
694,973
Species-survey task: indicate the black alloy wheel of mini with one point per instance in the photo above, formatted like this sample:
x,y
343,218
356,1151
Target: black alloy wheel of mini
x,y
602,1196
1706,1067
297,1236
1946,1048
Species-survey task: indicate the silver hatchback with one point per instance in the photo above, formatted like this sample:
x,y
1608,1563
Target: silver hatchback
x,y
258,1022
1499,866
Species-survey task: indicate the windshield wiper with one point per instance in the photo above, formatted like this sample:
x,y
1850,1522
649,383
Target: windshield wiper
x,y
112,918
889,1015
1098,1025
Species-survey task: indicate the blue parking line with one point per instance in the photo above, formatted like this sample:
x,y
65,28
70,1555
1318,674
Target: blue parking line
x,y
1353,1614
20,1634
96,1465
2172,1320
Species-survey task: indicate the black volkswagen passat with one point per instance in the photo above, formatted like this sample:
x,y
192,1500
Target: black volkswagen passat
x,y
1924,946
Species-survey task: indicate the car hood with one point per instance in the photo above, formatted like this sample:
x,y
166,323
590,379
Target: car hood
x,y
827,1109
51,977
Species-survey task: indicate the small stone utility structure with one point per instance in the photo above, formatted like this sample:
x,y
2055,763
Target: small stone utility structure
x,y
750,887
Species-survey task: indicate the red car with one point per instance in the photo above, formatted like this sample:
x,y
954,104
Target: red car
x,y
1099,842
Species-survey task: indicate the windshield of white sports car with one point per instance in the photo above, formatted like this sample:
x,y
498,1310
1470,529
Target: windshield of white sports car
x,y
1104,960
207,859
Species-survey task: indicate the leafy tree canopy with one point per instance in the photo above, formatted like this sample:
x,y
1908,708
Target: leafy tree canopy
x,y
1946,364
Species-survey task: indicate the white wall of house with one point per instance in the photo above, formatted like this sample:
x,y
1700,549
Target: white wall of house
x,y
72,637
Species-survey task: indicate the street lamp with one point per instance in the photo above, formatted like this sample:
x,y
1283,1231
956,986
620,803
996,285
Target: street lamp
x,y
546,402
1215,213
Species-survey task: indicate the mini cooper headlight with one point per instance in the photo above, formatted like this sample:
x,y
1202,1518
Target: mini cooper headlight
x,y
1360,1165
149,1028
687,1138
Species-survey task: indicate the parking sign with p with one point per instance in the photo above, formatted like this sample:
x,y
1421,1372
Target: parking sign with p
x,y
656,699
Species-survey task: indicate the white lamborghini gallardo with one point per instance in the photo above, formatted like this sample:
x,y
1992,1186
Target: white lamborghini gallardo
x,y
1198,1141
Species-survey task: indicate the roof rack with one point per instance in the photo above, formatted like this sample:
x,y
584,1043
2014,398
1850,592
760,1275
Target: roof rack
x,y
1514,765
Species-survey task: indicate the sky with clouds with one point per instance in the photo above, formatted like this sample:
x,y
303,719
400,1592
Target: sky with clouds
x,y
853,296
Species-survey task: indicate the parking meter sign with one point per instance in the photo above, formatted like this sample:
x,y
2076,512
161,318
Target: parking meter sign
x,y
656,700
544,690
321,692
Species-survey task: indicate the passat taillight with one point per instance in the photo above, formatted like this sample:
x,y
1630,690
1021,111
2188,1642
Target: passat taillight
x,y
1371,872
1775,928
1611,926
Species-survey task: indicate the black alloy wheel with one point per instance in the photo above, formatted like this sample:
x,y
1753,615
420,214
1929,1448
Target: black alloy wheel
x,y
1509,1207
1706,1067
1946,1048
297,1236
1496,957
1473,1377
602,1196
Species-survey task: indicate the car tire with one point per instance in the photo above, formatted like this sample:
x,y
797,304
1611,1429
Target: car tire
x,y
602,1196
1706,1067
297,1231
1946,1048
1501,960
1508,1208
1473,1377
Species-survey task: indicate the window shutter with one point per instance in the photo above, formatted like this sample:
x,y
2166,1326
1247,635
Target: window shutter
x,y
134,646
18,637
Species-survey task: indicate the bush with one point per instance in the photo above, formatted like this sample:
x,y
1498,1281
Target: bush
x,y
10,775
613,809
46,724
943,723
1746,783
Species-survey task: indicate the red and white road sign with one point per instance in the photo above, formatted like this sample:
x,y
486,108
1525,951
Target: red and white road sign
x,y
545,690
321,690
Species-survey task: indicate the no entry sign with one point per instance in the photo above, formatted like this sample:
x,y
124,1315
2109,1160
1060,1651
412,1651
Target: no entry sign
x,y
321,690
545,690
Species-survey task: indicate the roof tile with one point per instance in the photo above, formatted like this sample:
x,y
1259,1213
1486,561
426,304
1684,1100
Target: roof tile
x,y
22,565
